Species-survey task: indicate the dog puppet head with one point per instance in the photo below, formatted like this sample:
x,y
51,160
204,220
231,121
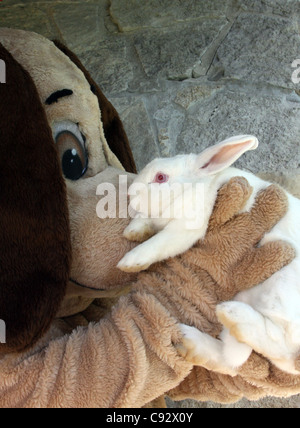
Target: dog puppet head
x,y
59,139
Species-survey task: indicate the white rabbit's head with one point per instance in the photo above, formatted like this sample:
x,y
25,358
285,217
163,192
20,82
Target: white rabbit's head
x,y
163,174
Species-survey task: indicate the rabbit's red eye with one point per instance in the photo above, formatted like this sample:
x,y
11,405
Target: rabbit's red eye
x,y
161,178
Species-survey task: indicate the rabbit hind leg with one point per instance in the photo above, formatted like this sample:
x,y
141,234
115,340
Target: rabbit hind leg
x,y
200,349
249,326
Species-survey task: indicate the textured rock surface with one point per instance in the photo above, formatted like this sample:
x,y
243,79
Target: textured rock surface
x,y
260,49
185,74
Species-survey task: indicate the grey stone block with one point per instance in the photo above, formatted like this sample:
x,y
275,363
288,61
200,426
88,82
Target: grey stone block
x,y
278,7
28,17
260,49
138,127
231,111
132,15
175,52
80,24
169,121
108,63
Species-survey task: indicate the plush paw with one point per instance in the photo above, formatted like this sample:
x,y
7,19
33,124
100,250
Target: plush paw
x,y
134,261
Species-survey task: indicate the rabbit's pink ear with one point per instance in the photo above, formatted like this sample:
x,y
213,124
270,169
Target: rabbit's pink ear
x,y
216,158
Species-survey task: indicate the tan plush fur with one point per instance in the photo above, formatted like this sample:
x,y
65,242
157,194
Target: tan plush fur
x,y
108,351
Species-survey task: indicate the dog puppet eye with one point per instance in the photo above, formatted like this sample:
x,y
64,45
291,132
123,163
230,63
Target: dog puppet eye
x,y
161,178
70,145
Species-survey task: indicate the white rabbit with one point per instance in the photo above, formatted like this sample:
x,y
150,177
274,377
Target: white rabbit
x,y
266,317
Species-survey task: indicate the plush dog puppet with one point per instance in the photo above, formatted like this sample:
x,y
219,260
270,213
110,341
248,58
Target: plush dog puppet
x,y
71,341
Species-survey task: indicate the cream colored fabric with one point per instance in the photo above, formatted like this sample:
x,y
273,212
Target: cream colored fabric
x,y
114,363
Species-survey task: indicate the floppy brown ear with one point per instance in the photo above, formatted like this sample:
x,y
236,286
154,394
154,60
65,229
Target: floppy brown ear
x,y
35,247
113,127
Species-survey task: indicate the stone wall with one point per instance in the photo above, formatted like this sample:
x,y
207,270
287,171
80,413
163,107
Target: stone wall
x,y
185,74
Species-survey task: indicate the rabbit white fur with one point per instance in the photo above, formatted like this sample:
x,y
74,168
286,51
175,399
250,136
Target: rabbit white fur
x,y
187,197
265,318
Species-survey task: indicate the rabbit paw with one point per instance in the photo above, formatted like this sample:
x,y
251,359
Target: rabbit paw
x,y
200,349
134,261
191,348
240,319
138,231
